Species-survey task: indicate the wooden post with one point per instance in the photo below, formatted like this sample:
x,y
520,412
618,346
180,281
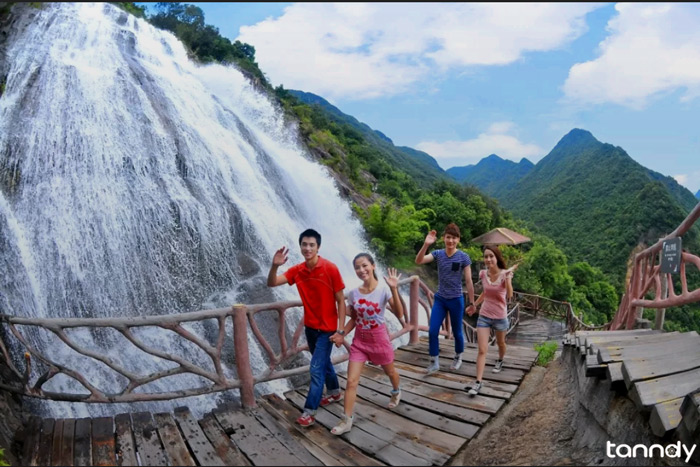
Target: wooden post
x,y
635,285
661,312
240,345
413,311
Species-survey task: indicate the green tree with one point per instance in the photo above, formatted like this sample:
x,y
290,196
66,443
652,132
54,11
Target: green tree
x,y
585,274
393,231
550,267
134,9
526,279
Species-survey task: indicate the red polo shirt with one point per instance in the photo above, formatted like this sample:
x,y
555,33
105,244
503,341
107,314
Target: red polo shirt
x,y
317,288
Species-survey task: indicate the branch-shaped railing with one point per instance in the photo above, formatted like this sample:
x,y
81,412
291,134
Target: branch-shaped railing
x,y
124,326
646,274
14,342
554,309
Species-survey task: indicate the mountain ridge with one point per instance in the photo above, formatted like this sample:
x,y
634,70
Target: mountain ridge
x,y
419,164
597,202
492,174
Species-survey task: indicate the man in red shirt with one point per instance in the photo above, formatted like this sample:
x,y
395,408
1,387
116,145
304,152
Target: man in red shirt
x,y
321,290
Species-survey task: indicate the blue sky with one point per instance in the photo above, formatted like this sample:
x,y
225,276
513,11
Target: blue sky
x,y
464,80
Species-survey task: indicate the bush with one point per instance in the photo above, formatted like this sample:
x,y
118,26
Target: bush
x,y
546,352
2,458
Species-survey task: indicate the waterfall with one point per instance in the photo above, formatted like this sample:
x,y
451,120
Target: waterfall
x,y
136,182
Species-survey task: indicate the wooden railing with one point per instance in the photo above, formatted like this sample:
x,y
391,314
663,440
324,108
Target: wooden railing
x,y
14,341
646,274
553,309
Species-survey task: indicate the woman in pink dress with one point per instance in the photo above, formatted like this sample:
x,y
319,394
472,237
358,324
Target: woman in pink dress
x,y
371,341
496,280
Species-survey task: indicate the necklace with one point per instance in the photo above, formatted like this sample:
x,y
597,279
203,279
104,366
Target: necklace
x,y
492,281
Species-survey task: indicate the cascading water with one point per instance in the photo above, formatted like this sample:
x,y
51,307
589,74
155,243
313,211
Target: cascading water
x,y
135,182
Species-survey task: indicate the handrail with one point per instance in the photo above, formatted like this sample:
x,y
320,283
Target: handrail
x,y
216,373
555,309
646,273
245,328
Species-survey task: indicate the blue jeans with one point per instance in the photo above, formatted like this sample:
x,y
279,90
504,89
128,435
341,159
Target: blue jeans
x,y
441,306
321,369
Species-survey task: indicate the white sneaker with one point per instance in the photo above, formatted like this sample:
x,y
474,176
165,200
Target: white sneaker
x,y
498,367
434,366
456,362
475,388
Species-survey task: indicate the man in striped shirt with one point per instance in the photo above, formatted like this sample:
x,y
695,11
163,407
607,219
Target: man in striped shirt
x,y
453,264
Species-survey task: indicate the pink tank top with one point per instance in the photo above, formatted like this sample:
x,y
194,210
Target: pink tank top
x,y
495,304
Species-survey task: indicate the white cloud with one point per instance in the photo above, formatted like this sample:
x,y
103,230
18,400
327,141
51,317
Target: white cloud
x,y
365,50
691,181
498,139
682,179
652,49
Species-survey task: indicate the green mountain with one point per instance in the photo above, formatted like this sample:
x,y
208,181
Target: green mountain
x,y
680,193
420,165
597,203
492,175
420,156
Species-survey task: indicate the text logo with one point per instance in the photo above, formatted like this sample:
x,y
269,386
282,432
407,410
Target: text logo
x,y
677,450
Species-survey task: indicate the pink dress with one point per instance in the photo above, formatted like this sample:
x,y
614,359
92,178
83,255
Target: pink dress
x,y
371,341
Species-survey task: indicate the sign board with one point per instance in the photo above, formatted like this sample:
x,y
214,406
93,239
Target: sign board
x,y
671,255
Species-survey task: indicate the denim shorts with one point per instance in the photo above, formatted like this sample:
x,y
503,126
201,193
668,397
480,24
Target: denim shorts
x,y
497,324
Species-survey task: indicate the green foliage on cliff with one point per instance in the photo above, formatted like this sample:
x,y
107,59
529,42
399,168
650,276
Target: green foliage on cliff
x,y
134,9
204,41
2,458
419,165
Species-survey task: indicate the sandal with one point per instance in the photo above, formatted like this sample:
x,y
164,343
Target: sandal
x,y
344,426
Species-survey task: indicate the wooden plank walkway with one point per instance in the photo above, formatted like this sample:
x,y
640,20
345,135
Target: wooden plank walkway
x,y
435,419
533,330
659,371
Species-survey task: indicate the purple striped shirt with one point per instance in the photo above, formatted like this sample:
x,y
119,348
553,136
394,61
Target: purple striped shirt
x,y
450,270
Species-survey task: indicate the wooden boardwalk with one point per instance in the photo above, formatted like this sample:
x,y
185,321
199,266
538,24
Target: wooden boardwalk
x,y
435,419
659,371
531,330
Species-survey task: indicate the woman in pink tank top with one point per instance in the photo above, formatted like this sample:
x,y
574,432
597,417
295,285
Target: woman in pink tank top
x,y
496,280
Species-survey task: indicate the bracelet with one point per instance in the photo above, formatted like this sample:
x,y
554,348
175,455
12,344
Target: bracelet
x,y
341,332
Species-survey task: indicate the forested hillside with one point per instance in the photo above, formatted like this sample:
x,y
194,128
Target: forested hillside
x,y
419,165
597,203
